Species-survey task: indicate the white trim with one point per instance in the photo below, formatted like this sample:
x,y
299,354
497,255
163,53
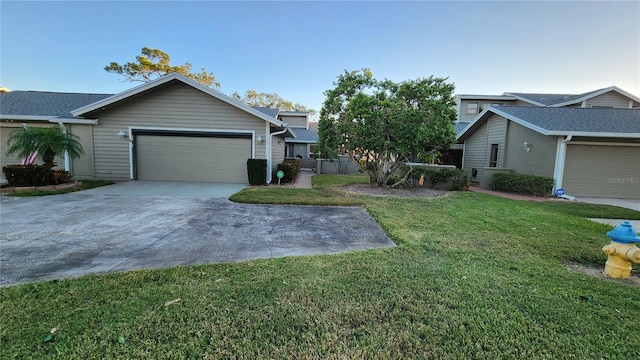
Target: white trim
x,y
67,161
596,143
195,130
165,79
517,97
630,104
270,159
268,151
598,93
561,154
626,135
51,119
485,97
74,121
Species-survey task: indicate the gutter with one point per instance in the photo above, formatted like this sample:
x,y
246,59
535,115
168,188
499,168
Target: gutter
x,y
561,154
285,128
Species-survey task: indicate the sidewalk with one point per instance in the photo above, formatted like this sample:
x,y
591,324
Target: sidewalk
x,y
304,180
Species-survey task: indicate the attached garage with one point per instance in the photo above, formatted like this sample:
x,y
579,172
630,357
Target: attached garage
x,y
191,156
602,171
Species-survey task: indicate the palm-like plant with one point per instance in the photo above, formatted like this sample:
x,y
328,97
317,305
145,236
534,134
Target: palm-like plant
x,y
48,141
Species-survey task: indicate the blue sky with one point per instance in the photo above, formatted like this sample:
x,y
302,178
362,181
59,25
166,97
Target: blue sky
x,y
297,49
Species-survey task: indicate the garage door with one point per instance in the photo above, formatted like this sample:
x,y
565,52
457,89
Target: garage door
x,y
192,158
602,171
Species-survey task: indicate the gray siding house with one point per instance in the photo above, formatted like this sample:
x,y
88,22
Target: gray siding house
x,y
590,152
172,128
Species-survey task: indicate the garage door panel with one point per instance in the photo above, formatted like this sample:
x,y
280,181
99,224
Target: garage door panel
x,y
184,158
602,171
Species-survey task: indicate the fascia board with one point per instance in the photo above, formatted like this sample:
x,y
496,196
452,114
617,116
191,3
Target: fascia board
x,y
165,79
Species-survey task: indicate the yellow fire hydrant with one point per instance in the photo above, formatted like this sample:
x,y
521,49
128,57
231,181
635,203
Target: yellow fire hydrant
x,y
622,251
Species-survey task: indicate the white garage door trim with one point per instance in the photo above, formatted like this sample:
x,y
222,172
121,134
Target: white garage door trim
x,y
137,129
613,178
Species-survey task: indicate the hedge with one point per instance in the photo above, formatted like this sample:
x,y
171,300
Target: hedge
x,y
457,179
31,175
257,171
523,184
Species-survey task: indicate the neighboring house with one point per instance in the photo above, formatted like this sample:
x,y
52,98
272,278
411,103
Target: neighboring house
x,y
590,152
303,145
172,128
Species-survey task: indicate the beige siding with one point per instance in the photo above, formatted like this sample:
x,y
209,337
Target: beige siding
x,y
477,152
294,121
483,104
278,152
83,166
6,129
174,106
602,171
611,98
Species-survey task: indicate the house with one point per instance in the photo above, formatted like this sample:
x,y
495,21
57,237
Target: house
x,y
172,128
589,152
304,144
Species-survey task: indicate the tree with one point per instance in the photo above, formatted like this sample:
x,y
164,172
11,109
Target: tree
x,y
47,141
270,100
154,63
386,124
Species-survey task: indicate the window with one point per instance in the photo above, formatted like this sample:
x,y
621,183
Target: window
x,y
493,162
472,108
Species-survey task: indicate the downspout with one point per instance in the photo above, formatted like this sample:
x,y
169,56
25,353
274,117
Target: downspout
x,y
270,150
67,160
561,154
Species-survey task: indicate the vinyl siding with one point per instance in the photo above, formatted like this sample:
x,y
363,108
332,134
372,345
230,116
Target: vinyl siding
x,y
463,116
477,152
277,155
6,129
294,121
173,106
611,98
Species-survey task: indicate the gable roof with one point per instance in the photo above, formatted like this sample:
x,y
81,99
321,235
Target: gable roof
x,y
551,121
303,135
174,77
268,111
558,100
44,105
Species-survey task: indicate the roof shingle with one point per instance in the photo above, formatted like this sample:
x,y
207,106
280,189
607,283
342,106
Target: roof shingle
x,y
41,103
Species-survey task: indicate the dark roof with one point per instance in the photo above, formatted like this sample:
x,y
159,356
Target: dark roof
x,y
461,125
551,99
268,111
303,135
42,103
589,120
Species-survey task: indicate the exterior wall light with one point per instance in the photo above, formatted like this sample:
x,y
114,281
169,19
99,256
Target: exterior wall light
x,y
259,140
526,146
122,133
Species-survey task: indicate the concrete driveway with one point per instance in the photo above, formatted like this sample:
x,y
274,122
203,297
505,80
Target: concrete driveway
x,y
82,233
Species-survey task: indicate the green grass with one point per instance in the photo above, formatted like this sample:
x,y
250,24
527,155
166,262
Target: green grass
x,y
473,276
86,184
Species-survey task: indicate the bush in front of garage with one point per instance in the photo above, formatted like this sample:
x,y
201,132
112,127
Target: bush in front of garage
x,y
291,168
29,175
523,184
257,171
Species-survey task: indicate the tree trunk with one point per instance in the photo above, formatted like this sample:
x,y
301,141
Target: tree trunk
x,y
48,158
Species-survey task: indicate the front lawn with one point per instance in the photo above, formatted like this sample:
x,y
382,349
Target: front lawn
x,y
473,276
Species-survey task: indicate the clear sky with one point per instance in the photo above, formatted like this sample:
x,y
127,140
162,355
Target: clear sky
x,y
297,48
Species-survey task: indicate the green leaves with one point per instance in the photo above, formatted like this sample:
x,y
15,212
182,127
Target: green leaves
x,y
385,122
154,63
48,141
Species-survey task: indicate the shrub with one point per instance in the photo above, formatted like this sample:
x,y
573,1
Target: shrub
x,y
257,171
289,170
29,175
61,176
456,179
523,184
295,163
